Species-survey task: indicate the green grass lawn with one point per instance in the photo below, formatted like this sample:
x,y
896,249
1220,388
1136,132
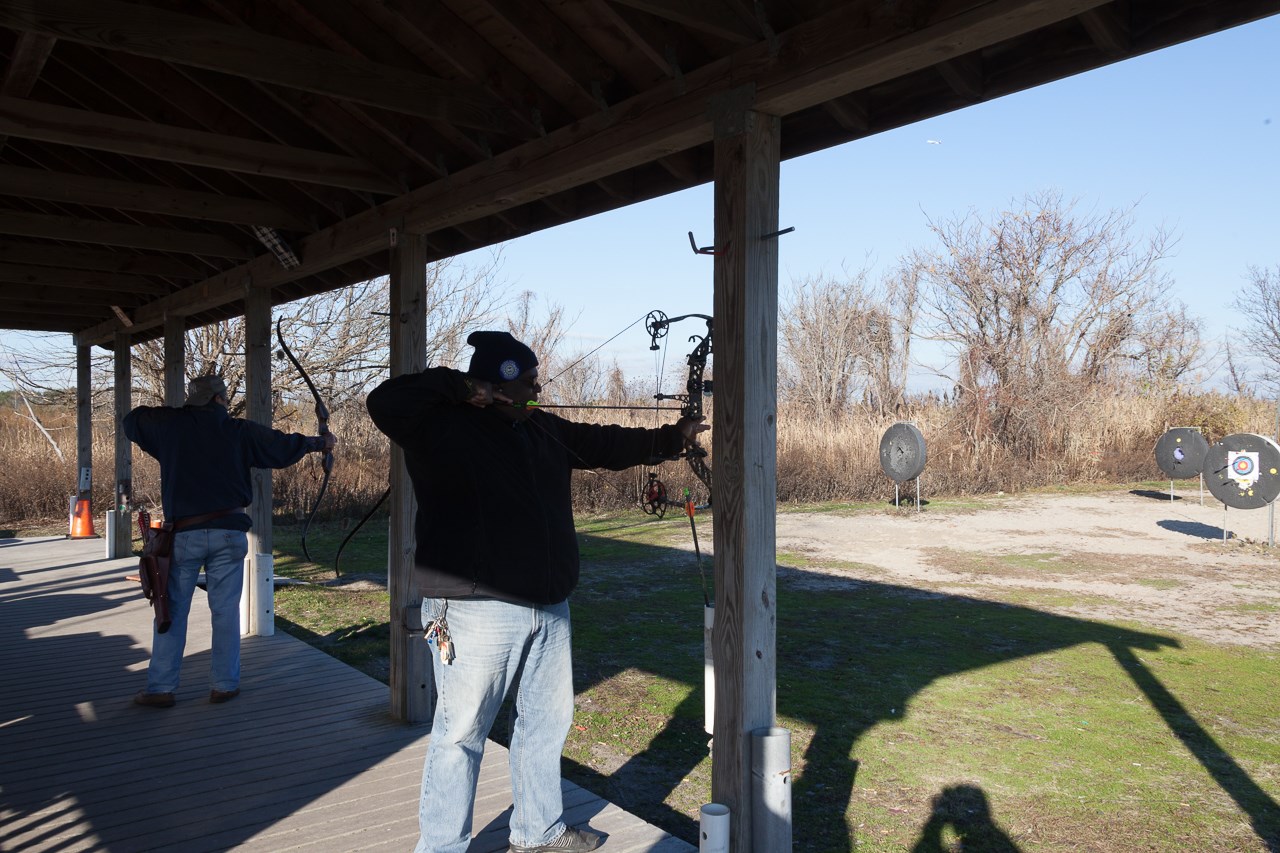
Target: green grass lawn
x,y
919,720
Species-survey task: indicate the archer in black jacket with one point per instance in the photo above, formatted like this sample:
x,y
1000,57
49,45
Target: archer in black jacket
x,y
496,559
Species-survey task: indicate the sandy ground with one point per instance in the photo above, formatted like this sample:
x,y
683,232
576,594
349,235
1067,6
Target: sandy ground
x,y
1134,556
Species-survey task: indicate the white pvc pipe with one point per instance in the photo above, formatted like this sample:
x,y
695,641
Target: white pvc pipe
x,y
109,525
713,829
771,790
708,670
264,599
247,590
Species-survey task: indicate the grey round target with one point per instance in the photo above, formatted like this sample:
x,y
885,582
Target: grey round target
x,y
902,452
1180,452
1243,470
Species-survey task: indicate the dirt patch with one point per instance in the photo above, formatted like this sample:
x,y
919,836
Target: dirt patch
x,y
1112,556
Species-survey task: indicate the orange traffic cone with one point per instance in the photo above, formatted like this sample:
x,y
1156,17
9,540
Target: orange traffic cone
x,y
82,521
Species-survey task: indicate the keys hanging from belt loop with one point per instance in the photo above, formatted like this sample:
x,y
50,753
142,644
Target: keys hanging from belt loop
x,y
437,632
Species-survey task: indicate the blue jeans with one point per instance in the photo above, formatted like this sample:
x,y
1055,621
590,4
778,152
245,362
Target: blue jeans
x,y
495,645
222,554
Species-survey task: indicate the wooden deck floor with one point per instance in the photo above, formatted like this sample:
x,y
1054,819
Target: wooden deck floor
x,y
306,758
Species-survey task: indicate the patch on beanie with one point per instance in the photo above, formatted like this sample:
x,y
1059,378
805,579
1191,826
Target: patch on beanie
x,y
509,370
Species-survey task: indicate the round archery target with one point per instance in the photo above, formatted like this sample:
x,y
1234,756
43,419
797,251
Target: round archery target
x,y
1180,452
1243,470
902,452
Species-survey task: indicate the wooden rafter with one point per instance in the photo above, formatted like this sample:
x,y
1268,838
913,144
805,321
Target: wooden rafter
x,y
63,277
95,260
66,126
78,230
130,195
189,40
710,17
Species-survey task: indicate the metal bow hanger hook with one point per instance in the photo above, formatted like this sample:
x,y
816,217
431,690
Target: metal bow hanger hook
x,y
712,250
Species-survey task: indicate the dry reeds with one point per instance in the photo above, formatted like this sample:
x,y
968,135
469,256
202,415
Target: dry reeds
x,y
1106,438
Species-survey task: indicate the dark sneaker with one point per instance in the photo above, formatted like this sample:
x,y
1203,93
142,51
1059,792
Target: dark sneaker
x,y
570,841
154,700
218,696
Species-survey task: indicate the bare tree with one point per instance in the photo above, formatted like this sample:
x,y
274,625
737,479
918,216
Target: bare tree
x,y
1039,305
1258,306
824,339
841,341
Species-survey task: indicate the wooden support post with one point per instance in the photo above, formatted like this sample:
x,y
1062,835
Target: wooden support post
x,y
412,682
257,327
745,449
84,424
175,360
123,504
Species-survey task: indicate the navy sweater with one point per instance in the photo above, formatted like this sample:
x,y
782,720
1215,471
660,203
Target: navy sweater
x,y
495,514
205,456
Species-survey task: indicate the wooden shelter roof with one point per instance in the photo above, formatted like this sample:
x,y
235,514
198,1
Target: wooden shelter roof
x,y
150,152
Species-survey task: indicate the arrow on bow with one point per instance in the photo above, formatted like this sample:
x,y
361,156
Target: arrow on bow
x,y
322,419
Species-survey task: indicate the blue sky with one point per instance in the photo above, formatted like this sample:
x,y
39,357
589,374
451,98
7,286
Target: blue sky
x,y
1190,133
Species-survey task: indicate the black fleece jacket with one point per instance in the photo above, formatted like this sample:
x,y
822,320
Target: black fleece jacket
x,y
495,514
205,456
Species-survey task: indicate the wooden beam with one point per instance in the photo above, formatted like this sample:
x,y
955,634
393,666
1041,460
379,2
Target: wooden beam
x,y
56,277
78,230
66,126
25,64
411,680
63,298
260,597
1106,30
40,322
964,75
175,361
147,198
669,118
38,307
123,397
199,42
84,424
709,16
744,442
50,255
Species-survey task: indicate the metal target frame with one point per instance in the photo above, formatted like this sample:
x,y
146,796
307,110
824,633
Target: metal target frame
x,y
1180,453
903,456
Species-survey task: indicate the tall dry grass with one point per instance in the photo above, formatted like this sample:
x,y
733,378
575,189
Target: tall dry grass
x,y
1105,439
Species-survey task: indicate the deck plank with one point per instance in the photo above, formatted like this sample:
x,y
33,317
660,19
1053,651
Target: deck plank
x,y
306,759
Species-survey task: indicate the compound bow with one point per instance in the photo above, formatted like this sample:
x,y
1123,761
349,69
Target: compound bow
x,y
655,500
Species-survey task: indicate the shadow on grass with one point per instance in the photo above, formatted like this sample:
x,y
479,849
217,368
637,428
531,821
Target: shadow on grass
x,y
848,659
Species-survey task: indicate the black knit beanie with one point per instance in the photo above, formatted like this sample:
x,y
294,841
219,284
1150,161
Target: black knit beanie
x,y
499,357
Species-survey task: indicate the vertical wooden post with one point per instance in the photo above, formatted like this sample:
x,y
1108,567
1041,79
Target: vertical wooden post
x,y
84,423
175,360
124,448
745,448
257,338
412,682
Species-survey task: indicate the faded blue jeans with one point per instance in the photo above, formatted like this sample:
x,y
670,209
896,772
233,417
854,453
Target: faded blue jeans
x,y
495,645
222,554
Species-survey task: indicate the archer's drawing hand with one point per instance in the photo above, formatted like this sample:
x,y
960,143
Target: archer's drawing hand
x,y
483,394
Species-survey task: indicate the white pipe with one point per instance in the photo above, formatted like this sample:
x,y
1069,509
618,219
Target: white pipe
x,y
708,670
264,599
247,589
771,790
713,829
109,524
